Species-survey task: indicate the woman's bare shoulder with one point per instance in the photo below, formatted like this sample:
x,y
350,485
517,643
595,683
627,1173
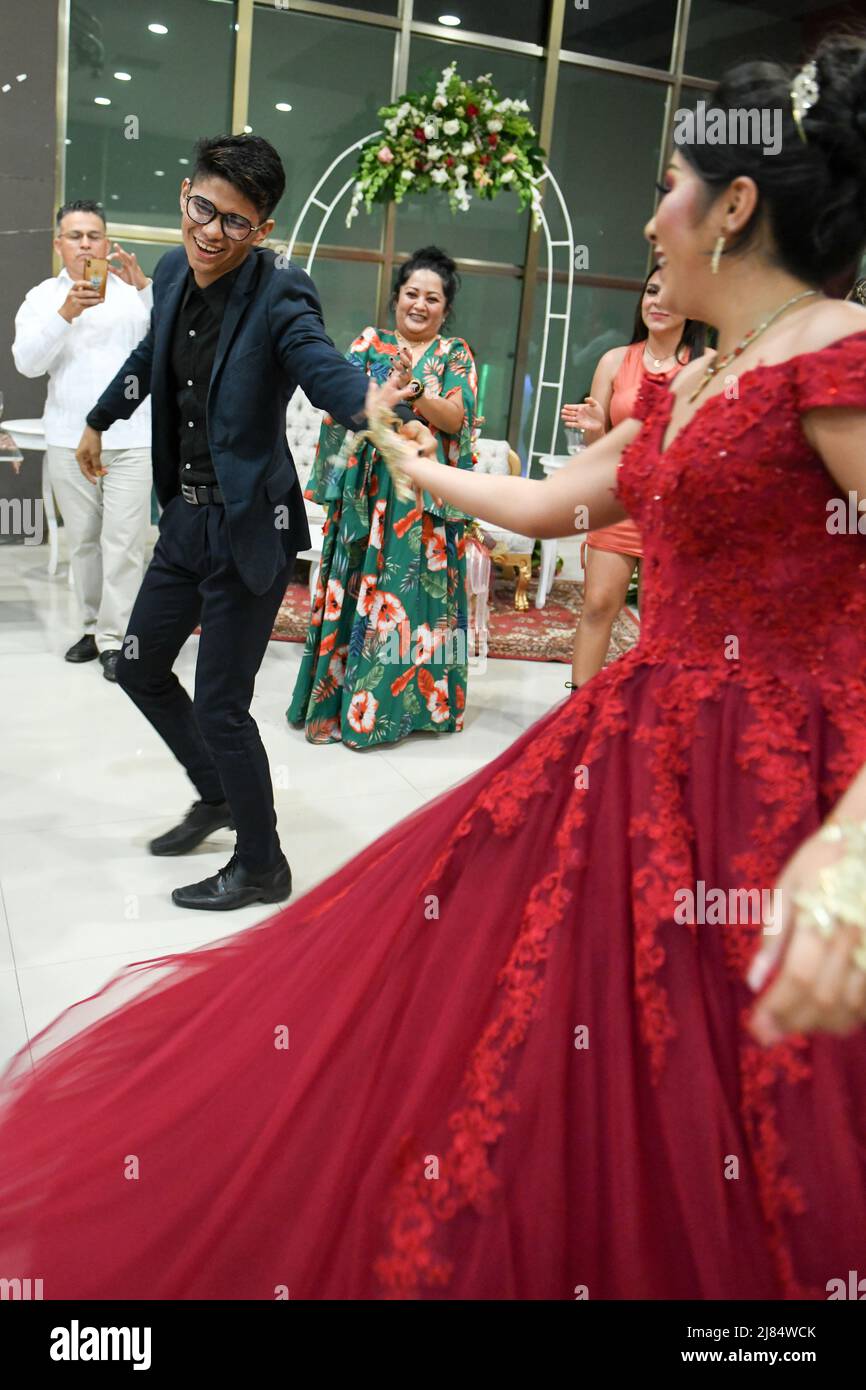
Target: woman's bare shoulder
x,y
613,359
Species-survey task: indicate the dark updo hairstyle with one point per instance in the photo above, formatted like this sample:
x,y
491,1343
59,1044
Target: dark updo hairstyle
x,y
812,191
693,339
430,258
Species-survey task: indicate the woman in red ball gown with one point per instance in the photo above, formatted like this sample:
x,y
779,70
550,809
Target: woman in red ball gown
x,y
495,1056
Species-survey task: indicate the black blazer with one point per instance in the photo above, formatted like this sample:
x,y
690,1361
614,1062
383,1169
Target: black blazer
x,y
272,339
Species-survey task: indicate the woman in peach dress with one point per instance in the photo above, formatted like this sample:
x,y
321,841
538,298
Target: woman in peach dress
x,y
661,346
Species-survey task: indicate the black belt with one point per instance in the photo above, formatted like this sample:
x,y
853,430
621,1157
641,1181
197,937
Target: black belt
x,y
202,492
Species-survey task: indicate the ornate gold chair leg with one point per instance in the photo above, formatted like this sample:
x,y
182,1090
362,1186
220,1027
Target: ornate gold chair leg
x,y
523,565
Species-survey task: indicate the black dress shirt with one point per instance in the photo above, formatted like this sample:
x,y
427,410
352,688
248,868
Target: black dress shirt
x,y
193,348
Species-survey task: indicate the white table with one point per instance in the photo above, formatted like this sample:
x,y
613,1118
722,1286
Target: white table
x,y
551,463
29,434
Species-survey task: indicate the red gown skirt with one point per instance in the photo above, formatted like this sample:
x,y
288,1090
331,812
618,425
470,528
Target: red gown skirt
x,y
482,1061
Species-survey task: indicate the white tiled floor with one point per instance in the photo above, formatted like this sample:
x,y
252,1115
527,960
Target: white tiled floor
x,y
85,783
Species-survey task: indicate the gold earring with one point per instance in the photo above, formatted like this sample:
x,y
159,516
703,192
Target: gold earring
x,y
717,254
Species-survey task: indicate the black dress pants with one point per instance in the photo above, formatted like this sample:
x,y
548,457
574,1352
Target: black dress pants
x,y
191,581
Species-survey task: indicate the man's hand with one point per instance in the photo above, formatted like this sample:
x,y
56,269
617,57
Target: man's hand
x,y
388,395
89,455
128,270
82,296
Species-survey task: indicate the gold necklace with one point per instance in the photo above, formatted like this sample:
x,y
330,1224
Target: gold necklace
x,y
717,366
404,342
657,361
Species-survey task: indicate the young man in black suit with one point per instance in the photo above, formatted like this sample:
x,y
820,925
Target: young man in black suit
x,y
234,330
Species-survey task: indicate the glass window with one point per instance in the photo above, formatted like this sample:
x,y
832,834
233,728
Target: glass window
x,y
489,231
724,32
147,253
486,314
526,20
133,152
334,75
606,144
601,319
631,31
348,292
389,7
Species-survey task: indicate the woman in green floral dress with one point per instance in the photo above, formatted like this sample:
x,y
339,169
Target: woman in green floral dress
x,y
387,647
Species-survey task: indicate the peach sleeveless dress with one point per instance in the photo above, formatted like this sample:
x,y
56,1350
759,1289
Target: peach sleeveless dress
x,y
624,537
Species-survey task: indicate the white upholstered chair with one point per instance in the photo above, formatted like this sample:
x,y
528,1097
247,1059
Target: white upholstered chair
x,y
303,422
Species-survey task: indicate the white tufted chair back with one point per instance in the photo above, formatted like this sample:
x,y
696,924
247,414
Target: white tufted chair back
x,y
491,456
303,422
495,456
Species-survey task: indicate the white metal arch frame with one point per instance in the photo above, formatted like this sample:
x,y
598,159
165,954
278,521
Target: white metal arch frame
x,y
566,244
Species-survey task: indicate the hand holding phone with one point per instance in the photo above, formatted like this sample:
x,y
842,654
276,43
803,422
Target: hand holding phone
x,y
96,271
81,296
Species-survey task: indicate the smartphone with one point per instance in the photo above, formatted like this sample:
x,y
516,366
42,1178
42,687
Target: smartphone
x,y
96,271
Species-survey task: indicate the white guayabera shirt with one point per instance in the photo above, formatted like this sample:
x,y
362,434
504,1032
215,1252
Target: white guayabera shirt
x,y
83,356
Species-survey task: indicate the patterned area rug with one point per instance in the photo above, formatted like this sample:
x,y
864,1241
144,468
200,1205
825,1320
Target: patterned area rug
x,y
539,634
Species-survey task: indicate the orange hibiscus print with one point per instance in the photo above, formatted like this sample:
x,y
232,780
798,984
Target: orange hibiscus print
x,y
437,701
362,709
333,600
377,524
387,612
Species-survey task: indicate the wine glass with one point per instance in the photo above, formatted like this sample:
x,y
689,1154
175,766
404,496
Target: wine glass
x,y
575,441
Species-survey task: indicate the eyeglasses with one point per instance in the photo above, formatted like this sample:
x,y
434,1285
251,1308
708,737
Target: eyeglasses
x,y
202,211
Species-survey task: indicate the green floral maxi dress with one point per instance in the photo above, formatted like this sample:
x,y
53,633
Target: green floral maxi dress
x,y
386,651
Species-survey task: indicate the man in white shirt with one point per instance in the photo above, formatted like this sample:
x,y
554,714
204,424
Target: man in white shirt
x,y
65,329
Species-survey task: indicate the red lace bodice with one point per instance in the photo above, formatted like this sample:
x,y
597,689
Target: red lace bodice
x,y
741,571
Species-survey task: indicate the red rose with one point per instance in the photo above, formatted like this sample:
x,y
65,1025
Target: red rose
x,y
449,160
485,159
493,139
471,110
419,134
419,164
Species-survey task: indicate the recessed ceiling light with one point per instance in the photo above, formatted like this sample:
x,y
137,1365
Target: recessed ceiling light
x,y
284,106
157,28
160,173
123,76
102,101
450,20
115,196
68,141
183,161
248,130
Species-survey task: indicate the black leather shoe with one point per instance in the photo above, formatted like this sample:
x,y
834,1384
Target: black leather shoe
x,y
109,662
200,821
84,650
234,886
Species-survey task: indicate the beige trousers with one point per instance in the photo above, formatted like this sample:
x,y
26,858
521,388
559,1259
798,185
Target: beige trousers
x,y
106,530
